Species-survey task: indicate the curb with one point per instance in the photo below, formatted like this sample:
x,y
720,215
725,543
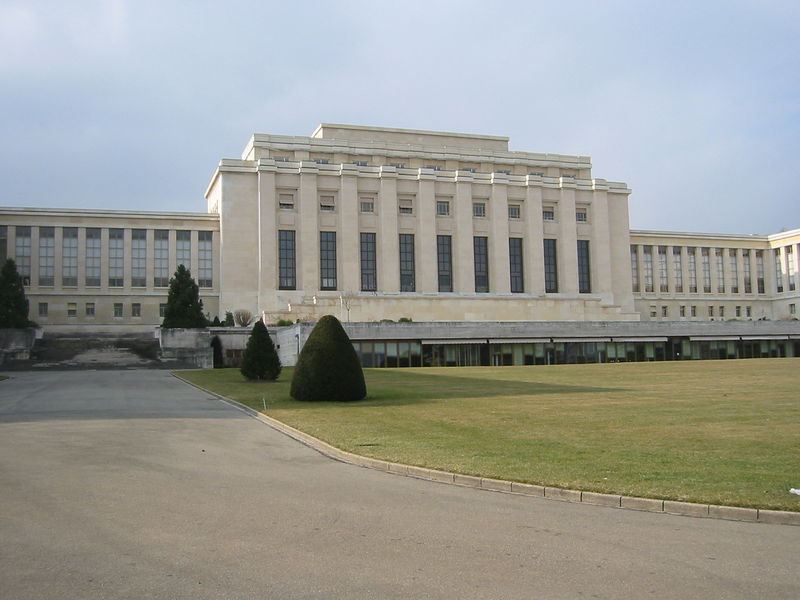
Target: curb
x,y
671,507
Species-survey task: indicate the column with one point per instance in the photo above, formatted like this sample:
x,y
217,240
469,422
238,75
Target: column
x,y
388,241
499,270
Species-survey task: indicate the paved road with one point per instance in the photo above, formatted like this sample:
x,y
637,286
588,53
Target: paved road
x,y
131,484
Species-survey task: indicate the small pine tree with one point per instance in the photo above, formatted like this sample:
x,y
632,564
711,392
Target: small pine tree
x,y
216,322
229,322
184,307
13,304
216,346
328,367
260,360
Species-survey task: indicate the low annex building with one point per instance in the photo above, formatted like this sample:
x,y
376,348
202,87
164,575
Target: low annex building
x,y
375,224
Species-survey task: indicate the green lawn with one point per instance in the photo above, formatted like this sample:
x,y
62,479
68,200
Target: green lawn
x,y
722,432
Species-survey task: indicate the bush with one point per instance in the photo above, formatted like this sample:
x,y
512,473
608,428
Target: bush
x,y
260,360
285,322
216,345
228,319
13,304
328,367
184,307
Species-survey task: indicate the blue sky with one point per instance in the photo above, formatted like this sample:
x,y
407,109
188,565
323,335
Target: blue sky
x,y
130,105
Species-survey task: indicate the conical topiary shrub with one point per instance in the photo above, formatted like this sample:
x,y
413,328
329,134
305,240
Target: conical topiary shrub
x,y
328,367
260,359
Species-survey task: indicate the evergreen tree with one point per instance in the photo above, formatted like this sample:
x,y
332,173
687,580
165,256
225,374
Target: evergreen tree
x,y
13,304
216,346
229,322
260,360
328,367
184,307
216,322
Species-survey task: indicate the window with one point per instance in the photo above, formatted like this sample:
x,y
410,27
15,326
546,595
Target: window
x,y
43,309
548,214
161,258
550,267
367,205
581,216
748,284
653,311
205,259
733,265
635,268
89,309
647,252
792,309
369,269
514,211
442,208
162,310
720,254
286,201
778,271
677,266
444,260
694,311
760,271
480,245
322,161
664,312
116,245
478,209
22,252
93,249
139,257
406,206
516,265
748,311
704,256
327,203
738,311
360,163
287,278
69,256
3,243
690,252
791,271
72,309
183,248
584,268
327,260
710,311
136,309
721,311
407,272
118,311
47,255
663,280
682,310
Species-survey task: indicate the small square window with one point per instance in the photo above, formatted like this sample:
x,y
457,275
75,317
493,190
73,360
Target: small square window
x,y
581,216
406,206
327,203
72,309
162,310
443,208
548,214
478,209
367,205
360,163
136,309
42,309
653,312
514,211
117,309
322,161
286,201
90,309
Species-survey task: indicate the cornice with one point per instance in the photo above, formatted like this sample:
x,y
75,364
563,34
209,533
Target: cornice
x,y
103,213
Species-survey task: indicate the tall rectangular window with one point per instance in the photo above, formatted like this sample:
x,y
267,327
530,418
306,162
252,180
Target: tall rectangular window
x,y
635,268
704,255
647,253
791,267
515,265
47,255
748,282
93,250
720,270
677,267
327,260
691,254
116,253
205,259
69,256
161,258
22,252
407,270
444,260
138,257
480,245
183,249
760,272
584,268
550,267
369,263
733,265
663,279
778,271
3,243
287,270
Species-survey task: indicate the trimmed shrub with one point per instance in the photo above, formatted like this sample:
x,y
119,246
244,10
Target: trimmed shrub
x,y
260,360
328,367
216,346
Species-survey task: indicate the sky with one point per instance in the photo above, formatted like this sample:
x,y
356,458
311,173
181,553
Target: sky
x,y
130,105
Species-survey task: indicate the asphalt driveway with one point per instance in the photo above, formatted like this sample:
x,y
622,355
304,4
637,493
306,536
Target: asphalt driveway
x,y
132,484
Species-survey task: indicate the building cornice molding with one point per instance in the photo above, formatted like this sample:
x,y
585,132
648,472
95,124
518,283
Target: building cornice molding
x,y
104,213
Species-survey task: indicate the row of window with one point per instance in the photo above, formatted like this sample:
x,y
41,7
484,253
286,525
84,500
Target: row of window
x,y
712,270
115,250
366,204
711,311
89,309
287,269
